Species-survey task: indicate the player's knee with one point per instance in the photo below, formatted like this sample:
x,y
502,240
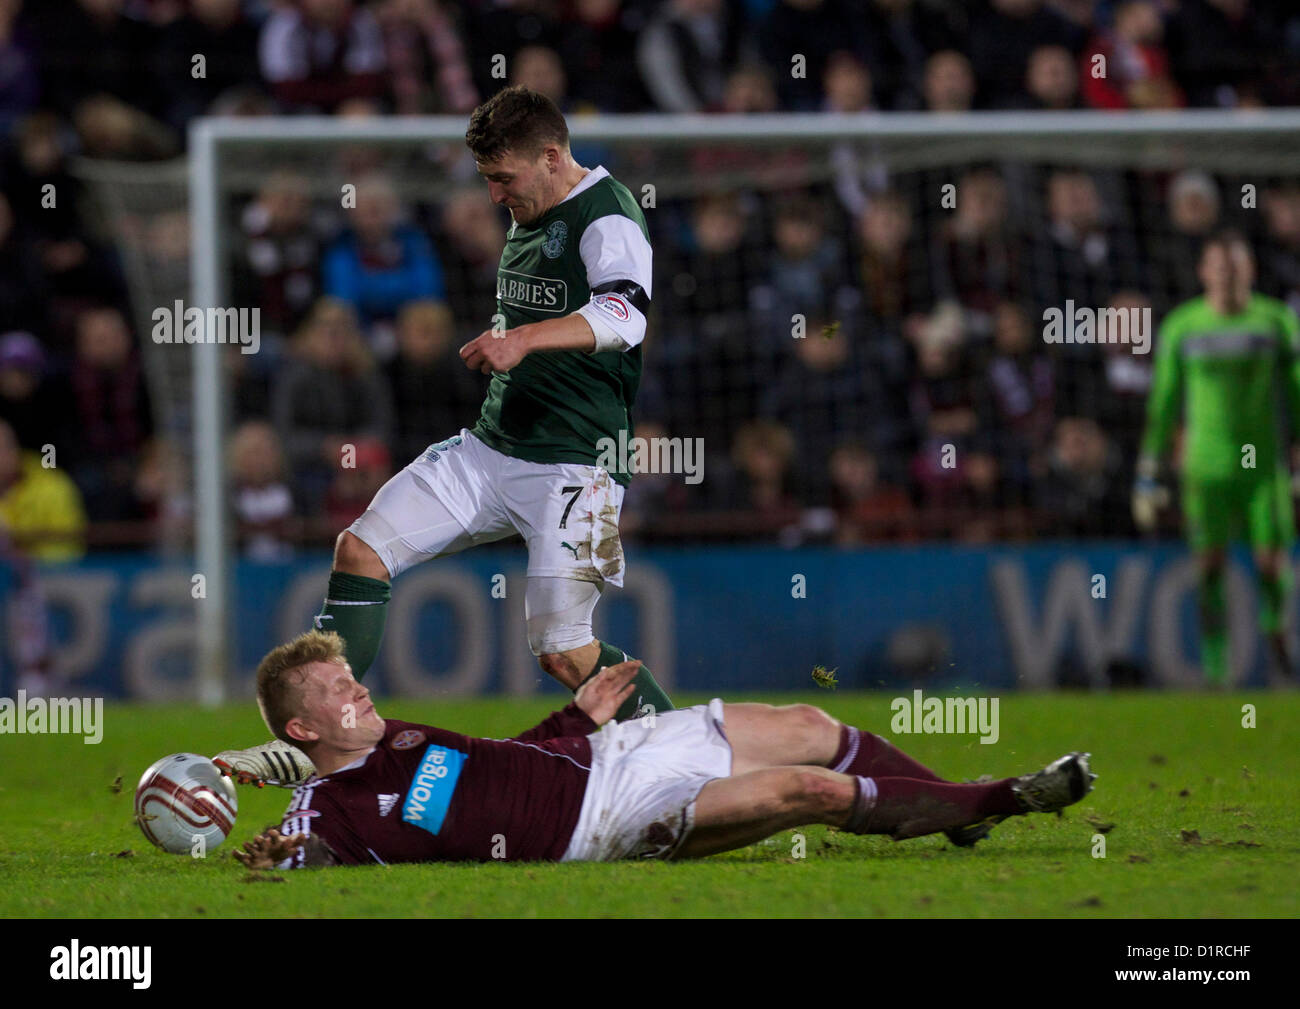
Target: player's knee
x,y
808,718
353,556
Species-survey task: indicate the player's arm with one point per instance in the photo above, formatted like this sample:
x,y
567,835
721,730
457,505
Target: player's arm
x,y
1164,404
1289,323
593,705
271,849
619,262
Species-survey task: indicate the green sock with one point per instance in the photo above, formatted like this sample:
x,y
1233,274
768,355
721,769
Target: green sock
x,y
646,691
1274,593
356,608
1214,630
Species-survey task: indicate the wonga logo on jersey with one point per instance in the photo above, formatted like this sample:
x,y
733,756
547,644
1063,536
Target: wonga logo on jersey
x,y
432,788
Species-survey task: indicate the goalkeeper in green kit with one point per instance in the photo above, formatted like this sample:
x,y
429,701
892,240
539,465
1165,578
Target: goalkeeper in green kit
x,y
1230,361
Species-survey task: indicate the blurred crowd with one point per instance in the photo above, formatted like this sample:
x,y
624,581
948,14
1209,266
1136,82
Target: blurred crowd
x,y
861,363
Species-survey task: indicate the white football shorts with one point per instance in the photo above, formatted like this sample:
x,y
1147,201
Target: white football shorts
x,y
460,493
646,774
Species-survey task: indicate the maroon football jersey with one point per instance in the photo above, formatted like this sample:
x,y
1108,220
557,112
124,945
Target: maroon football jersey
x,y
425,794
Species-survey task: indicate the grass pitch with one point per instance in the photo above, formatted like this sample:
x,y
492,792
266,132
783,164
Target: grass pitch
x,y
1198,814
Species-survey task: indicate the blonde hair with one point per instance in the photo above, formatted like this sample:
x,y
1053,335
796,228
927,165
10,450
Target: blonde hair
x,y
281,676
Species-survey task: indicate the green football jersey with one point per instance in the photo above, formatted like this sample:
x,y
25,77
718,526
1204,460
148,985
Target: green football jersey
x,y
555,406
1234,377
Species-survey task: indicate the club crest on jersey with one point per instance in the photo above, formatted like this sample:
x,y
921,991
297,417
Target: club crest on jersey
x,y
556,233
406,739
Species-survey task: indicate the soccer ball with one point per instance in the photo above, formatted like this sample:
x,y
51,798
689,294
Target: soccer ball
x,y
184,805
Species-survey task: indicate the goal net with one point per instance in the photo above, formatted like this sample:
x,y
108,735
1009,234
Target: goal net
x,y
882,328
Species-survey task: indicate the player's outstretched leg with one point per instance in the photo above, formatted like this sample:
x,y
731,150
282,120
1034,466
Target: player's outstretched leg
x,y
762,735
740,810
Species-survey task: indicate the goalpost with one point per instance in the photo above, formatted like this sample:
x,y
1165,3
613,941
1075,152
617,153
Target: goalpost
x,y
662,160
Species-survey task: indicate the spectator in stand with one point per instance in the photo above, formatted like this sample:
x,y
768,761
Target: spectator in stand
x,y
807,264
22,282
858,169
757,479
866,509
821,391
943,408
976,257
40,507
891,263
706,292
218,31
474,236
19,70
1193,215
749,90
434,395
263,503
93,47
1019,398
846,84
540,68
653,496
1279,252
356,485
1115,393
1085,489
503,27
809,30
317,54
1082,256
1225,51
1052,80
329,397
427,61
949,83
1127,67
277,263
686,52
1002,35
380,262
599,49
111,414
35,403
900,35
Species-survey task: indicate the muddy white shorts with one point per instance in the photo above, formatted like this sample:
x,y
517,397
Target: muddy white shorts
x,y
645,777
460,493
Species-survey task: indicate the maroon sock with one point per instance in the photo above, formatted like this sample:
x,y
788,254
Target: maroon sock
x,y
869,756
907,807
